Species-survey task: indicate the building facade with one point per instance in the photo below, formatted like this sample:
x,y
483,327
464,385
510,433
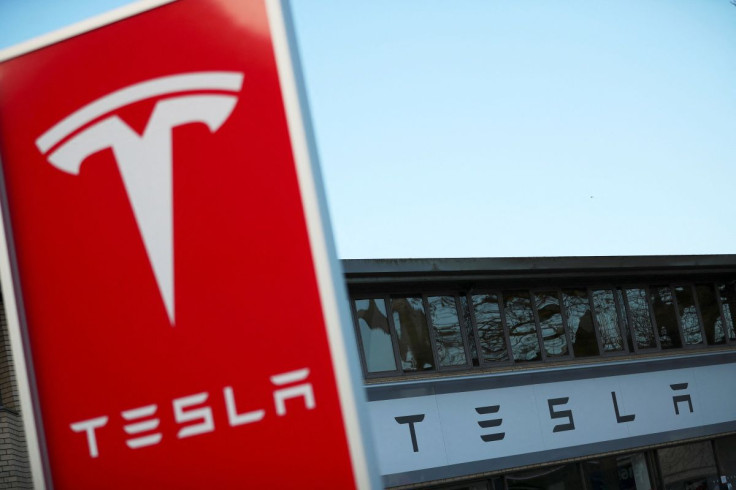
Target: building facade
x,y
549,373
530,373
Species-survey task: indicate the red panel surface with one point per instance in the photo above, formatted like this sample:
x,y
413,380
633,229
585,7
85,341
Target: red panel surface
x,y
246,299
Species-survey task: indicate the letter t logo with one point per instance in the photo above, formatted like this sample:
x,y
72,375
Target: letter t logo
x,y
145,162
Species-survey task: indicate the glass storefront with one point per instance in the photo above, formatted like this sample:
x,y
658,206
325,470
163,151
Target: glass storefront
x,y
704,465
688,467
628,472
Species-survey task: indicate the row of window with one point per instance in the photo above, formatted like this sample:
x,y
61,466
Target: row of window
x,y
455,330
700,465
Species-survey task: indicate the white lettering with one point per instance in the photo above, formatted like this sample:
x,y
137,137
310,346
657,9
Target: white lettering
x,y
304,390
89,427
204,414
144,426
236,418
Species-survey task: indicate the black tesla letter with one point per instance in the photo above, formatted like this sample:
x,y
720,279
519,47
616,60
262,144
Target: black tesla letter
x,y
619,418
561,414
411,420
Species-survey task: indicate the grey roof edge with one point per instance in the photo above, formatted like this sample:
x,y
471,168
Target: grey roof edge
x,y
479,265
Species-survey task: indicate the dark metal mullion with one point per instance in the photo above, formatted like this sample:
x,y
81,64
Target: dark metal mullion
x,y
464,331
676,306
596,328
581,472
656,468
388,302
430,327
535,314
652,316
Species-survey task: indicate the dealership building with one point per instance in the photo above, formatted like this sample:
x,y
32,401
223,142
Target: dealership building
x,y
530,373
549,373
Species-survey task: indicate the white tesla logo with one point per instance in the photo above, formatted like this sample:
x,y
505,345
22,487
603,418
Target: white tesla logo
x,y
145,162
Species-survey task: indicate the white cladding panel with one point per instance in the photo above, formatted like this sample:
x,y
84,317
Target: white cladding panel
x,y
450,434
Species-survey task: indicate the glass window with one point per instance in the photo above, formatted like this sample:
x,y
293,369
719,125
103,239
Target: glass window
x,y
411,328
375,335
711,314
726,455
469,329
641,320
565,477
490,328
628,472
607,318
664,314
689,320
447,335
727,300
547,304
580,322
521,325
690,466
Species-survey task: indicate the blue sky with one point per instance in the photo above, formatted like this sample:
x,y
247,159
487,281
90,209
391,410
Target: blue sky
x,y
496,128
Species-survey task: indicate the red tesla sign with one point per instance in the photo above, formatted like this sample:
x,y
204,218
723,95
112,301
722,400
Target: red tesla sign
x,y
170,257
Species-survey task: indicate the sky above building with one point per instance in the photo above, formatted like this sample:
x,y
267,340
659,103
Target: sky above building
x,y
493,128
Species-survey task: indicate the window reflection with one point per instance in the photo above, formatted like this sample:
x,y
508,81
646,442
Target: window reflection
x,y
375,335
565,477
625,327
712,321
550,323
628,472
580,322
446,324
641,321
607,318
521,325
490,328
727,300
726,456
691,333
688,466
664,314
411,328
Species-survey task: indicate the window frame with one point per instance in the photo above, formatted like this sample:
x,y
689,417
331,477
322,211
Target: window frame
x,y
619,317
432,334
570,354
507,341
361,348
630,321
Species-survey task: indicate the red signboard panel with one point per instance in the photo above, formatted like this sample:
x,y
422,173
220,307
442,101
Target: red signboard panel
x,y
170,297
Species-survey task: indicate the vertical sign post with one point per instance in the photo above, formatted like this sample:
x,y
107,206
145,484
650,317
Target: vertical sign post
x,y
174,299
